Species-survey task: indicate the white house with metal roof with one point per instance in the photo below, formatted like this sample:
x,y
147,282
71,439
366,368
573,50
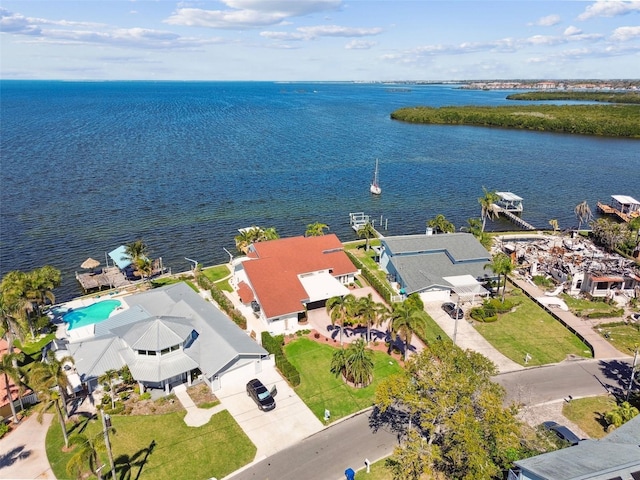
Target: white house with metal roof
x,y
169,336
436,265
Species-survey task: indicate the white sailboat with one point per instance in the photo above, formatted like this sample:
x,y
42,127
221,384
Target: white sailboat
x,y
375,186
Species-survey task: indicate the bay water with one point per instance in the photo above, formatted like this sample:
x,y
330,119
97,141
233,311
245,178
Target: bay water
x,y
88,166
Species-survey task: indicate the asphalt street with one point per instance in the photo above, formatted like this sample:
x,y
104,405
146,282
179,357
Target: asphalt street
x,y
327,454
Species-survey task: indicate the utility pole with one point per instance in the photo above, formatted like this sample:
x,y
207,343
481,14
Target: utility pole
x,y
633,372
106,425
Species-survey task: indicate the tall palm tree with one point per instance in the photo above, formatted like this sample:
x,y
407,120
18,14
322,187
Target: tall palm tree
x,y
316,229
12,375
340,310
440,224
367,231
109,377
14,288
86,454
407,319
50,374
48,398
487,209
583,213
136,250
474,227
501,265
373,313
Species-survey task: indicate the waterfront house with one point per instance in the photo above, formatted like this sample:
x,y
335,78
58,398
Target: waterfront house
x,y
169,336
436,265
615,457
284,278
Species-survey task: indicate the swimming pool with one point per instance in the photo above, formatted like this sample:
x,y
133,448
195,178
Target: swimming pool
x,y
95,313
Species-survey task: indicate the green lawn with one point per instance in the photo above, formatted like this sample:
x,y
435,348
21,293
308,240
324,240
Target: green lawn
x,y
217,272
529,329
625,337
587,413
177,451
321,390
581,307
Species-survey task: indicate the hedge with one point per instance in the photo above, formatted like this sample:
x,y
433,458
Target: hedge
x,y
381,287
221,299
273,345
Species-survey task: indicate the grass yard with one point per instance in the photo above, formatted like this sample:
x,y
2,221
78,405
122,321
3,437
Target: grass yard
x,y
170,448
588,413
367,258
529,329
321,390
582,307
625,337
378,472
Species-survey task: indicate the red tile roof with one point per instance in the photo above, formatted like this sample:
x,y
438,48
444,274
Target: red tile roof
x,y
274,273
245,293
12,387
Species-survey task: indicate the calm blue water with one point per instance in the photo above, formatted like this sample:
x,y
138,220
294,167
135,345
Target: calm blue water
x,y
95,313
183,165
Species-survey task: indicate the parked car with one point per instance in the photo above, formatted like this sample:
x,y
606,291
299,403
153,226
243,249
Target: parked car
x,y
562,432
260,395
453,311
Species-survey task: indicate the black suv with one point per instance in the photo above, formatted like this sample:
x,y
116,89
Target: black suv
x,y
452,311
260,395
562,432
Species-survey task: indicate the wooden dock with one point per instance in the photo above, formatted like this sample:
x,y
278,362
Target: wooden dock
x,y
513,218
110,277
609,210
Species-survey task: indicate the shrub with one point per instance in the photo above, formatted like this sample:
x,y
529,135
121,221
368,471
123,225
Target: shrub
x,y
118,409
273,345
145,396
4,428
604,314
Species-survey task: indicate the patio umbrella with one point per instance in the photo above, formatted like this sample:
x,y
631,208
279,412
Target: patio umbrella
x,y
90,263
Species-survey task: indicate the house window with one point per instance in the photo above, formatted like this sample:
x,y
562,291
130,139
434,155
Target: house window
x,y
164,351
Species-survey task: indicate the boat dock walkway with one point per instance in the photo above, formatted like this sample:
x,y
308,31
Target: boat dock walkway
x,y
513,218
609,210
358,220
110,277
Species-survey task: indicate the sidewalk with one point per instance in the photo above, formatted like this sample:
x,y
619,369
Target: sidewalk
x,y
601,348
195,417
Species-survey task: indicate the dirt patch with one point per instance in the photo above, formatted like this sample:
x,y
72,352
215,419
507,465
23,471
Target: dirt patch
x,y
202,396
134,405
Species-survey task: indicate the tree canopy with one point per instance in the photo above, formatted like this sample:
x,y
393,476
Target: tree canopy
x,y
457,425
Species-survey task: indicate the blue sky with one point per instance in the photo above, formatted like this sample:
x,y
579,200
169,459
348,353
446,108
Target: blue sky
x,y
360,40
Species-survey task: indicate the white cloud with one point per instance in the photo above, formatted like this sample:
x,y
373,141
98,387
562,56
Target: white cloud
x,y
571,30
548,21
609,8
247,14
311,33
623,34
360,45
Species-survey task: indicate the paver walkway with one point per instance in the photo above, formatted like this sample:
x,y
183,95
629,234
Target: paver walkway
x,y
195,417
601,348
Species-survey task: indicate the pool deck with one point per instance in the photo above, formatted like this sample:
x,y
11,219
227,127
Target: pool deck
x,y
62,332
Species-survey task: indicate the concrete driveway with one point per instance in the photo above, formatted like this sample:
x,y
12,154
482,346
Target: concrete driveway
x,y
22,453
468,337
290,422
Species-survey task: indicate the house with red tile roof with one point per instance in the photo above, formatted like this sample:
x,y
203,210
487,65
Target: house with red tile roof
x,y
27,394
284,278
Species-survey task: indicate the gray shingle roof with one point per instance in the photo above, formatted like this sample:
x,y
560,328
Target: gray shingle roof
x,y
423,260
618,454
155,333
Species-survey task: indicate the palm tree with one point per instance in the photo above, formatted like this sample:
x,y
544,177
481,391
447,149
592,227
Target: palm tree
x,y
268,234
340,310
583,213
12,375
441,225
487,207
474,227
51,397
373,313
136,250
86,454
109,377
316,229
501,264
14,288
407,319
243,240
144,266
355,363
367,231
554,224
50,374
